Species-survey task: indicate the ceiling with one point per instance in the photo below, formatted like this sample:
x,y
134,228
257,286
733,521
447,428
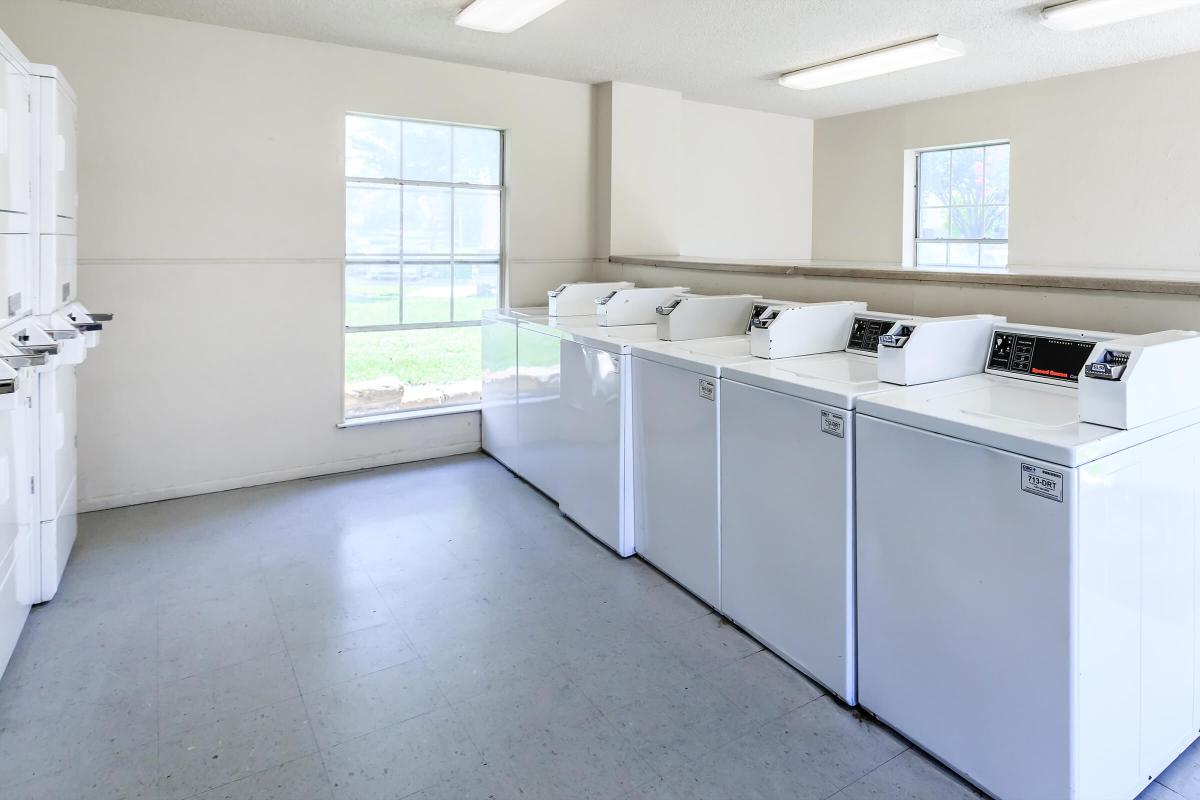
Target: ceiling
x,y
720,51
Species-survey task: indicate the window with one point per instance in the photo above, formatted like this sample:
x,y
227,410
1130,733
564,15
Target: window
x,y
423,253
962,207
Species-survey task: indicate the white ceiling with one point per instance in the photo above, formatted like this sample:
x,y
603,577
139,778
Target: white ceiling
x,y
720,51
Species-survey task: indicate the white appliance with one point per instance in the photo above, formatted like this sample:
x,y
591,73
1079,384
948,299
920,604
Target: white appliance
x,y
596,480
24,351
579,299
1027,579
16,175
634,306
676,441
787,491
705,316
61,317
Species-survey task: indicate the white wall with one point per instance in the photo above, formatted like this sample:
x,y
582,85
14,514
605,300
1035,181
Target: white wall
x,y
680,177
1104,170
745,183
211,224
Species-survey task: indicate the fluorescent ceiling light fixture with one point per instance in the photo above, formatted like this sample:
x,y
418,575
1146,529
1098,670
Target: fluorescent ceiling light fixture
x,y
877,62
503,16
1079,15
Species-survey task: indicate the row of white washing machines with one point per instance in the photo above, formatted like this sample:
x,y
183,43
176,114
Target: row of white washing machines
x,y
985,534
44,335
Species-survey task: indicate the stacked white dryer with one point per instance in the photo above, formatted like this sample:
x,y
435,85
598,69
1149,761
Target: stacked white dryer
x,y
17,415
62,320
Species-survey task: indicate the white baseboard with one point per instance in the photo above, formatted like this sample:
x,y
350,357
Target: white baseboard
x,y
276,476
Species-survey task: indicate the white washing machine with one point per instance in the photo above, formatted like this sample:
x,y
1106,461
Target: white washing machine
x,y
596,482
1027,578
676,424
787,494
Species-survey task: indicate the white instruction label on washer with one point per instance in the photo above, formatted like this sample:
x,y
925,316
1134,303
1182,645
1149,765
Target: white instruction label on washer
x,y
1042,482
833,424
708,389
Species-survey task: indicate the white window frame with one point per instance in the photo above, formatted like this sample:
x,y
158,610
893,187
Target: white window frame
x,y
401,260
912,207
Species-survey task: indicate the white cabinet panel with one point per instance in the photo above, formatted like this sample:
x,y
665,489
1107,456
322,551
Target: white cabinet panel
x,y
499,401
676,474
538,409
787,535
16,154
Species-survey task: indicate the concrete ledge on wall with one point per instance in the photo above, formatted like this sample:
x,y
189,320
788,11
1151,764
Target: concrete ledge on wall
x,y
1141,281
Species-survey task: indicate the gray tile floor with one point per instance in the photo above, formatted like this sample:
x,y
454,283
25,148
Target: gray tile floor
x,y
435,631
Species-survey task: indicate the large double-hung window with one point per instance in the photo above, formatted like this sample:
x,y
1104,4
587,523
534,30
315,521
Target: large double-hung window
x,y
962,206
424,248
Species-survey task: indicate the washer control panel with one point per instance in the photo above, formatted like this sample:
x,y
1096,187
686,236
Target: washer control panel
x,y
865,333
1047,357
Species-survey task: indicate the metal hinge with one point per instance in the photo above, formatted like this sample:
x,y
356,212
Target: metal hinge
x,y
31,485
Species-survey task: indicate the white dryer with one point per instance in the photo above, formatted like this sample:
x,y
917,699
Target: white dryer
x,y
596,482
676,424
1027,579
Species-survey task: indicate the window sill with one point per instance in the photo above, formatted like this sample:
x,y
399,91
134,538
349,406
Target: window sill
x,y
1178,282
400,416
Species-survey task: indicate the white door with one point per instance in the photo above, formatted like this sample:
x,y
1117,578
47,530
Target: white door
x,y
538,426
15,151
18,514
590,490
16,267
66,133
787,537
964,603
676,506
499,401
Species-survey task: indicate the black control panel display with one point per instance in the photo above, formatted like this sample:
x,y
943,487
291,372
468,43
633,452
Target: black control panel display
x,y
865,333
1041,356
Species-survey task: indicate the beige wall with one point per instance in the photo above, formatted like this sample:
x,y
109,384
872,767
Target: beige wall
x,y
1104,170
679,177
211,224
745,188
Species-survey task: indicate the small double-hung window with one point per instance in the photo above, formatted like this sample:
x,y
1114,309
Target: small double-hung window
x,y
962,207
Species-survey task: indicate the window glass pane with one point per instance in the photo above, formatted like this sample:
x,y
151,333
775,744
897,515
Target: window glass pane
x,y
935,178
935,223
477,156
372,147
410,370
426,152
477,221
476,288
426,220
426,292
993,255
966,223
996,174
995,222
372,220
931,255
964,255
372,294
966,176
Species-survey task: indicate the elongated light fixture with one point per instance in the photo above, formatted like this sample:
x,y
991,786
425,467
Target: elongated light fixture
x,y
1079,15
877,62
503,16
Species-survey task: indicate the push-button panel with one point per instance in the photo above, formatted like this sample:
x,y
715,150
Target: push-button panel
x,y
1048,357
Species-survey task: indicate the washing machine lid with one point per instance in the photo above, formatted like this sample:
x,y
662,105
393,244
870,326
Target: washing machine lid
x,y
702,356
833,379
617,339
1039,420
